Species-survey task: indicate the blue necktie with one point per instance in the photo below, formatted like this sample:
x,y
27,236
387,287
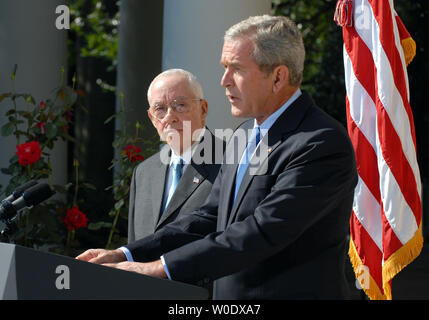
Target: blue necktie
x,y
177,174
250,148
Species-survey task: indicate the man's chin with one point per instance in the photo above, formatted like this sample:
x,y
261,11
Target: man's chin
x,y
237,112
171,134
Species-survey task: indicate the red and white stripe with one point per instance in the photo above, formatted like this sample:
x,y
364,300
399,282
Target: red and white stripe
x,y
387,207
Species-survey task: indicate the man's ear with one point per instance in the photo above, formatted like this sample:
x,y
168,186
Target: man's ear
x,y
152,119
204,110
280,77
204,107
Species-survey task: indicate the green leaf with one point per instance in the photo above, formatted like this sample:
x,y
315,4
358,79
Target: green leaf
x,y
83,108
109,119
15,67
7,129
88,186
34,130
61,123
10,112
68,137
30,99
51,130
98,225
119,204
6,171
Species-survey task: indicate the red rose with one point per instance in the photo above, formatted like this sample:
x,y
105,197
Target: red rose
x,y
133,153
28,153
41,126
75,219
42,105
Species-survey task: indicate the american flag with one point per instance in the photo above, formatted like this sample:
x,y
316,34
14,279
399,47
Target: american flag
x,y
386,222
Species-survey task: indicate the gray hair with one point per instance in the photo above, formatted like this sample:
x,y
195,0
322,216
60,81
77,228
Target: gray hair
x,y
194,84
277,41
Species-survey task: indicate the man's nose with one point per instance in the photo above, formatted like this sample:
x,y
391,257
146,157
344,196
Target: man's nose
x,y
226,80
170,116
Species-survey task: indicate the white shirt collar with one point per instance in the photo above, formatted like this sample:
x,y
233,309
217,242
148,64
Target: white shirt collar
x,y
266,125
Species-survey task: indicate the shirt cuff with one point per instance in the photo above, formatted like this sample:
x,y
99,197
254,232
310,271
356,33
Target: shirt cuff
x,y
127,253
165,267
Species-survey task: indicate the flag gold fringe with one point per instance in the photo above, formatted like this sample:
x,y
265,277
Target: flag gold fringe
x,y
372,291
409,47
400,259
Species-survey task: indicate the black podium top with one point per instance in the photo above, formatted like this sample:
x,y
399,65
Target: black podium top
x,y
30,274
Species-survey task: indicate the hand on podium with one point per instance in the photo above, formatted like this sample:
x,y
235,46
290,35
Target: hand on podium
x,y
100,256
153,269
117,259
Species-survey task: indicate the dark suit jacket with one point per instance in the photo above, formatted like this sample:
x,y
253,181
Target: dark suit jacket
x,y
148,181
285,236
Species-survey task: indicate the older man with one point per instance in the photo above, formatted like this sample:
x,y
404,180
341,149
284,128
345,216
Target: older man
x,y
280,230
171,183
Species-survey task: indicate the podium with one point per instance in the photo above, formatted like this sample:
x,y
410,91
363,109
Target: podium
x,y
28,274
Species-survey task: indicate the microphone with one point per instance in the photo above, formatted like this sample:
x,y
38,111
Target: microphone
x,y
30,197
20,190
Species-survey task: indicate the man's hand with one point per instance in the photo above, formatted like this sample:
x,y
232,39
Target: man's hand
x,y
101,256
154,268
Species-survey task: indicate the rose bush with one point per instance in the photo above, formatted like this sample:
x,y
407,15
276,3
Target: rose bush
x,y
40,126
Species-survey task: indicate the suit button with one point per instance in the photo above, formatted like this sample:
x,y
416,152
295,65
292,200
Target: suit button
x,y
206,280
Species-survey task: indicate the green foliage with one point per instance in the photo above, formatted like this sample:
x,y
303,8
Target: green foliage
x,y
98,28
323,71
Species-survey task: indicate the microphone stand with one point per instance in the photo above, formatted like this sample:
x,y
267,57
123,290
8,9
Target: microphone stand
x,y
10,226
9,229
9,210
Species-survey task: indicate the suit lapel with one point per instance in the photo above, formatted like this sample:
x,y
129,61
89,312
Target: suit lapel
x,y
193,176
248,177
234,151
284,125
158,184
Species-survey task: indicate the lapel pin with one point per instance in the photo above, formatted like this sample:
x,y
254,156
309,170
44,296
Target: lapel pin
x,y
269,149
196,180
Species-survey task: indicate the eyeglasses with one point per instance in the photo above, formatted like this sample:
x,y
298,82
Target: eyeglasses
x,y
181,105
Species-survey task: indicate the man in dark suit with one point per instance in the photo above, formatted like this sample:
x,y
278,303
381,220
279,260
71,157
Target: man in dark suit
x,y
277,227
150,206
